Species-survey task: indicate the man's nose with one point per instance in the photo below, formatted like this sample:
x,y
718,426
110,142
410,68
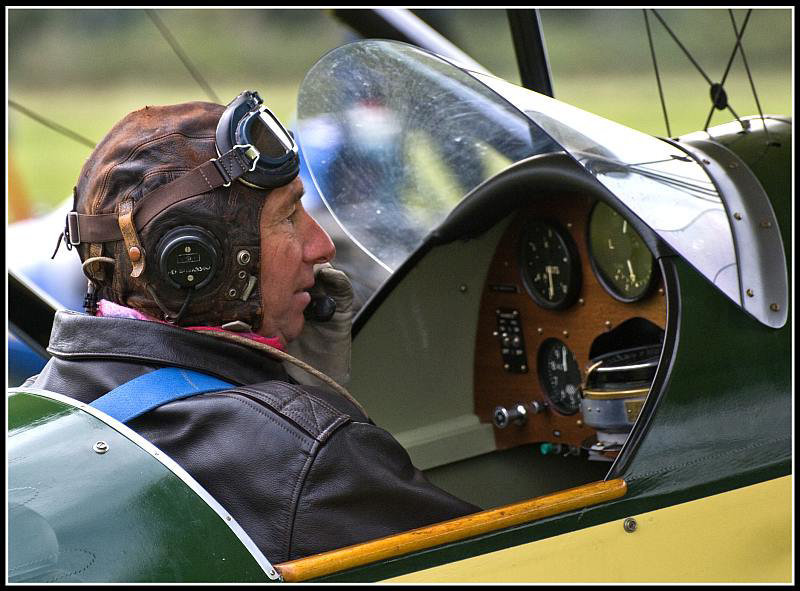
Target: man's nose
x,y
319,247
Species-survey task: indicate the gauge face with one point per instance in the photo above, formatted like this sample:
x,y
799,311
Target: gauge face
x,y
560,376
549,264
619,256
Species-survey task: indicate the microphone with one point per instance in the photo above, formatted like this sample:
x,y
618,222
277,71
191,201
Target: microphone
x,y
321,308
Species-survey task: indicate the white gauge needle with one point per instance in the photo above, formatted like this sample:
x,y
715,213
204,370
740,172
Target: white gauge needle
x,y
564,357
550,290
630,270
624,226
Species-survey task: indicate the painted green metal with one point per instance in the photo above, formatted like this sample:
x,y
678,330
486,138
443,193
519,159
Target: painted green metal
x,y
76,515
769,156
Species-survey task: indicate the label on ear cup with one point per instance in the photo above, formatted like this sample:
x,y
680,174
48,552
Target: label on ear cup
x,y
188,259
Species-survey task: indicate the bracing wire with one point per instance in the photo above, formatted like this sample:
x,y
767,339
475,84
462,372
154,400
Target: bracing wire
x,y
728,69
658,77
52,124
749,75
173,43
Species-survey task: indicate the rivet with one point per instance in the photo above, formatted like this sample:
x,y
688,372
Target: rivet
x,y
569,225
134,253
580,301
462,288
737,215
190,278
242,274
556,433
565,333
505,366
774,307
540,330
231,293
100,447
629,525
749,293
579,423
243,257
660,291
187,249
607,324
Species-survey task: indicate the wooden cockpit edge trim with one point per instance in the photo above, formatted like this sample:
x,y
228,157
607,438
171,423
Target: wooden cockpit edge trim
x,y
326,563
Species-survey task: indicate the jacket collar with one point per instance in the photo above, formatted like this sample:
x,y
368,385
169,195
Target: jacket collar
x,y
79,336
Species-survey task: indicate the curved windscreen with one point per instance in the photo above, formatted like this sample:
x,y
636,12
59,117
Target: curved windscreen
x,y
395,137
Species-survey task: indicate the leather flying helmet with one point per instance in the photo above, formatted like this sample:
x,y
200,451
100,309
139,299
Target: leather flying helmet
x,y
167,209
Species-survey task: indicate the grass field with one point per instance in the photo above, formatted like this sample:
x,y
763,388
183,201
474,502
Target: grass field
x,y
632,100
87,69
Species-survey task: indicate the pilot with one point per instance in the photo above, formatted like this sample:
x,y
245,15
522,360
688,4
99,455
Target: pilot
x,y
200,258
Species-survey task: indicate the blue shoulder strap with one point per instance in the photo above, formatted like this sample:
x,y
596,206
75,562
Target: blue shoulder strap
x,y
153,389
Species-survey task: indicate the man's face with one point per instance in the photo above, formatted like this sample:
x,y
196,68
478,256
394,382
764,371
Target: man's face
x,y
291,244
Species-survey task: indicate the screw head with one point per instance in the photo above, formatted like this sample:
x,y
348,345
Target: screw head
x,y
629,525
100,447
243,257
232,293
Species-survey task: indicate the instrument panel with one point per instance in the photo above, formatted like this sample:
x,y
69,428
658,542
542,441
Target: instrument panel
x,y
566,274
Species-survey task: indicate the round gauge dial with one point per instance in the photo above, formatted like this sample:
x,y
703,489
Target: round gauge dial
x,y
549,264
619,256
560,376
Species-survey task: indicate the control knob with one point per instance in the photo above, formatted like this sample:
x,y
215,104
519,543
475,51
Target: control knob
x,y
503,416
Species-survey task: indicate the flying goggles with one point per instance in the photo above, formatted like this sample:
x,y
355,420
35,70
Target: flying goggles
x,y
252,147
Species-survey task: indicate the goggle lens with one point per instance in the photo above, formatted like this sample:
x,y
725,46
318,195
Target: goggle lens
x,y
269,137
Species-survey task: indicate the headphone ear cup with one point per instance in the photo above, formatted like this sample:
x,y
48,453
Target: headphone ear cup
x,y
188,257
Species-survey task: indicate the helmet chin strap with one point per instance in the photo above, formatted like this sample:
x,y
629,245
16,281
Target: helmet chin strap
x,y
283,356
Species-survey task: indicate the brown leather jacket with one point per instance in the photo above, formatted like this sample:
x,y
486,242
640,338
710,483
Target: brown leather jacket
x,y
300,468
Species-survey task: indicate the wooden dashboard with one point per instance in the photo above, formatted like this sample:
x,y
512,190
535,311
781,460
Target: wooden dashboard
x,y
594,313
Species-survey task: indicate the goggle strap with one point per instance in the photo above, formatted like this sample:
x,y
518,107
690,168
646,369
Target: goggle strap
x,y
212,174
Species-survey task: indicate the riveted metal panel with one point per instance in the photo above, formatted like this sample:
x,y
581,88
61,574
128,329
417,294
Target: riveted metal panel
x,y
91,501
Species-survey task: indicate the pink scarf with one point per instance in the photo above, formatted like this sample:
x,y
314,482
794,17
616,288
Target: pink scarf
x,y
110,309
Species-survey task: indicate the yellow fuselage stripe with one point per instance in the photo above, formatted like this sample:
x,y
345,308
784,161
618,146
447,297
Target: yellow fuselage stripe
x,y
743,535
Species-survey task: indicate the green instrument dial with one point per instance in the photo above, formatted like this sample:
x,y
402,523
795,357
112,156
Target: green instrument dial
x,y
619,256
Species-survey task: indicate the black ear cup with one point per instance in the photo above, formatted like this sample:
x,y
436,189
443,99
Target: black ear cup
x,y
188,257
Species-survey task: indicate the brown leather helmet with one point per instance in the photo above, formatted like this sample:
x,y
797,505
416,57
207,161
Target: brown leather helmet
x,y
193,262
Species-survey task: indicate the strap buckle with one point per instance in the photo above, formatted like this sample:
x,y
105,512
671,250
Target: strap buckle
x,y
251,149
250,152
72,231
223,173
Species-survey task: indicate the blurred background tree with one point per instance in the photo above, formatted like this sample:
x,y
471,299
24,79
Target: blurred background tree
x,y
87,68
